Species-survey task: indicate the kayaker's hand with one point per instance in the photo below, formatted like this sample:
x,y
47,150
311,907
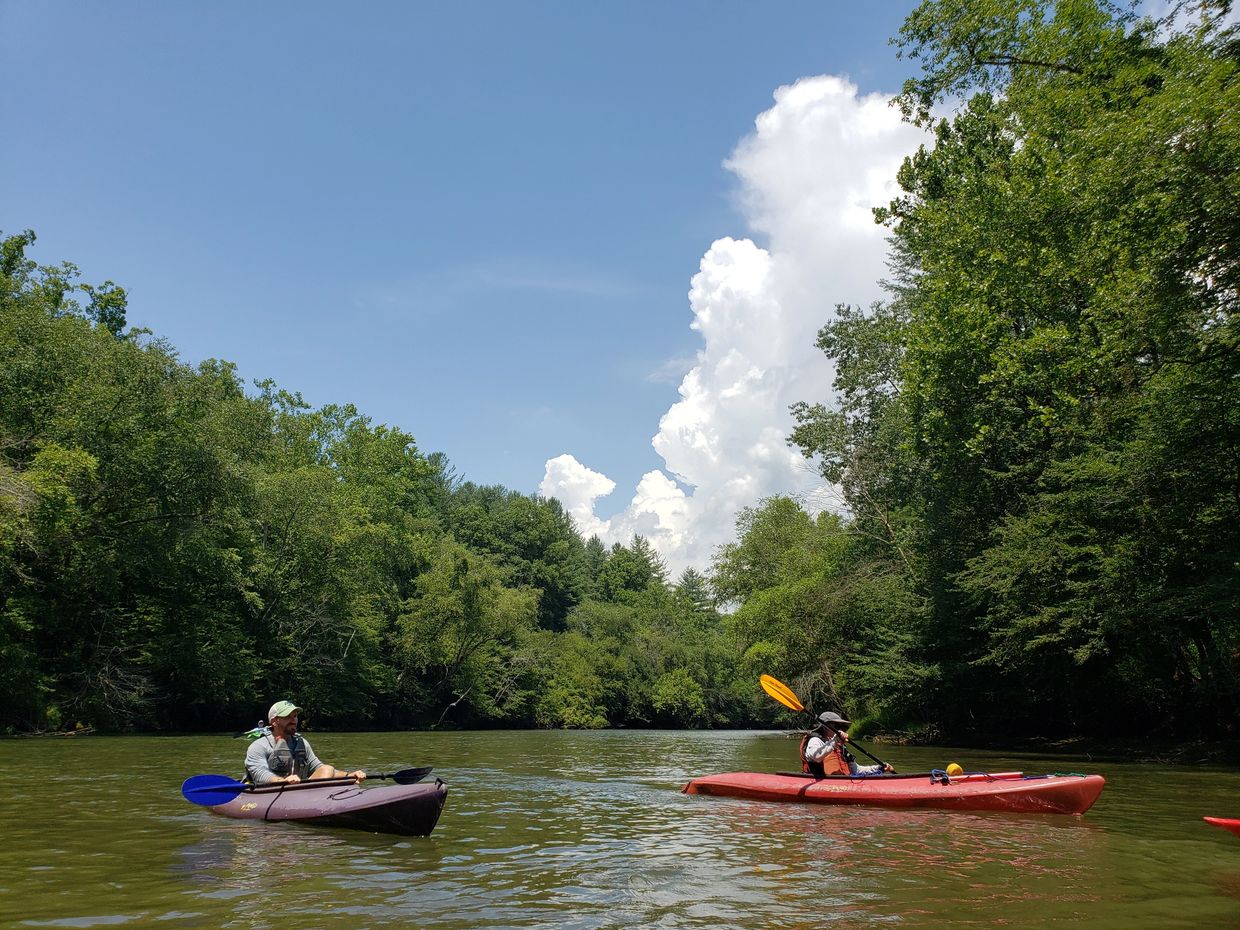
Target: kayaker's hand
x,y
291,779
843,735
359,775
887,767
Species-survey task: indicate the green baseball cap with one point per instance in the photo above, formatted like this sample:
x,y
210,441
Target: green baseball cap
x,y
282,709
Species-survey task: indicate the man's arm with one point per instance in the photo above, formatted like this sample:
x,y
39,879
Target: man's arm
x,y
330,771
320,769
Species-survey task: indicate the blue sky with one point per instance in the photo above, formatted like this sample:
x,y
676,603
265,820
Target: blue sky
x,y
475,221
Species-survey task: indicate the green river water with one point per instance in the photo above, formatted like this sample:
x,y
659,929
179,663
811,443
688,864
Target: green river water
x,y
590,830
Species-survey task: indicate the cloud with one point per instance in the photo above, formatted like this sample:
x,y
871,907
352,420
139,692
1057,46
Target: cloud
x,y
442,289
816,164
672,370
577,488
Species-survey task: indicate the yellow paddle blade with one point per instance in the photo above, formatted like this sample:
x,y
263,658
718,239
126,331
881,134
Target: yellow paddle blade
x,y
780,692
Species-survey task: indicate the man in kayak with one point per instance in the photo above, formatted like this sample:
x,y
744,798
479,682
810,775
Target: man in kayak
x,y
823,752
284,755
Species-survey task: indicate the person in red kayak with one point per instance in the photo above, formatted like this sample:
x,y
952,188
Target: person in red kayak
x,y
284,755
823,752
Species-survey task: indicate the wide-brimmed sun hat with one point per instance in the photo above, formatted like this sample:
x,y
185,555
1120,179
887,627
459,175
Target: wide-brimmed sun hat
x,y
831,719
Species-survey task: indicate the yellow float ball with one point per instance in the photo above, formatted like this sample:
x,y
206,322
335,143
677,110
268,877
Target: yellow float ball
x,y
953,770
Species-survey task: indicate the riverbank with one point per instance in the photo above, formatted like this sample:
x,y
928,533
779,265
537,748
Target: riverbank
x,y
1169,752
1088,750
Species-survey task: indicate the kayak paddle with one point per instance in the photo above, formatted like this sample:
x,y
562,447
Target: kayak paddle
x,y
404,776
210,790
785,695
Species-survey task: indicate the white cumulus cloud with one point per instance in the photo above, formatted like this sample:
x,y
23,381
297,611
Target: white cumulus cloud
x,y
578,488
816,164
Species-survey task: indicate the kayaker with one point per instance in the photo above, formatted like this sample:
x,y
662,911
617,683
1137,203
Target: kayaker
x,y
284,755
823,752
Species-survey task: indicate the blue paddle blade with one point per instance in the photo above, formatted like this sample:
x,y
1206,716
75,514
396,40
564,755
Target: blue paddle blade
x,y
210,790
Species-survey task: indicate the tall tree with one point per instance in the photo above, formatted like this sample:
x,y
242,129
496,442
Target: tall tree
x,y
1014,425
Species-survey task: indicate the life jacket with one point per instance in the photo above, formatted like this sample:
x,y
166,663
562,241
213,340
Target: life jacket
x,y
833,763
284,759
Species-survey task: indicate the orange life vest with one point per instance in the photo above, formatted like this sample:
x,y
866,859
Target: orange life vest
x,y
833,763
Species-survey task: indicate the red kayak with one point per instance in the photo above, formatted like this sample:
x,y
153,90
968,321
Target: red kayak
x,y
1007,791
406,810
1230,825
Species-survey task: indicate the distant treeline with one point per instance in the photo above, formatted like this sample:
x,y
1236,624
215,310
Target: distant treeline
x,y
175,553
1038,436
1036,439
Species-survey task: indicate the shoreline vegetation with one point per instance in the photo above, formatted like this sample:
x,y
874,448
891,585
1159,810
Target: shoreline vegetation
x,y
1035,441
1225,753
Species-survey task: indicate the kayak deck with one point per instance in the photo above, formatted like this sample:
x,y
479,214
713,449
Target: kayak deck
x,y
1009,791
405,810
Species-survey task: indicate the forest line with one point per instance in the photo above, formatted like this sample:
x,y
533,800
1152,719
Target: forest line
x,y
1036,438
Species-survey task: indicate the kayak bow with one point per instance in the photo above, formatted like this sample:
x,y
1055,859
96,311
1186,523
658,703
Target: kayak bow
x,y
1232,826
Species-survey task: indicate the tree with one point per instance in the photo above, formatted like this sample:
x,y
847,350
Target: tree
x,y
174,545
1015,422
461,627
630,570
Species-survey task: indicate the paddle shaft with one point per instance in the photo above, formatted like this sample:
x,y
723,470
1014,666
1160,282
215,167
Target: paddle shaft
x,y
275,786
785,695
403,777
210,790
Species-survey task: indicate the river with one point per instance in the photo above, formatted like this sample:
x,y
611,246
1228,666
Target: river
x,y
590,830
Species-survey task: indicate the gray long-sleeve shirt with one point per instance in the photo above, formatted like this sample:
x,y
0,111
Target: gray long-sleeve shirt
x,y
269,758
818,748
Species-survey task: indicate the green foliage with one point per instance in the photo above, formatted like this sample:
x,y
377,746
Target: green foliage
x,y
533,539
630,571
1035,436
459,629
574,696
176,551
677,696
1035,439
821,603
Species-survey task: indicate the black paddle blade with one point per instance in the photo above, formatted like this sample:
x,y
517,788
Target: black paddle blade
x,y
404,776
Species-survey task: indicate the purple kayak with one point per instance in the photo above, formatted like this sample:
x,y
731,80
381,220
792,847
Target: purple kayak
x,y
406,810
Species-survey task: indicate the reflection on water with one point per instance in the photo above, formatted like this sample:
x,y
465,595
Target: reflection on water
x,y
590,830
